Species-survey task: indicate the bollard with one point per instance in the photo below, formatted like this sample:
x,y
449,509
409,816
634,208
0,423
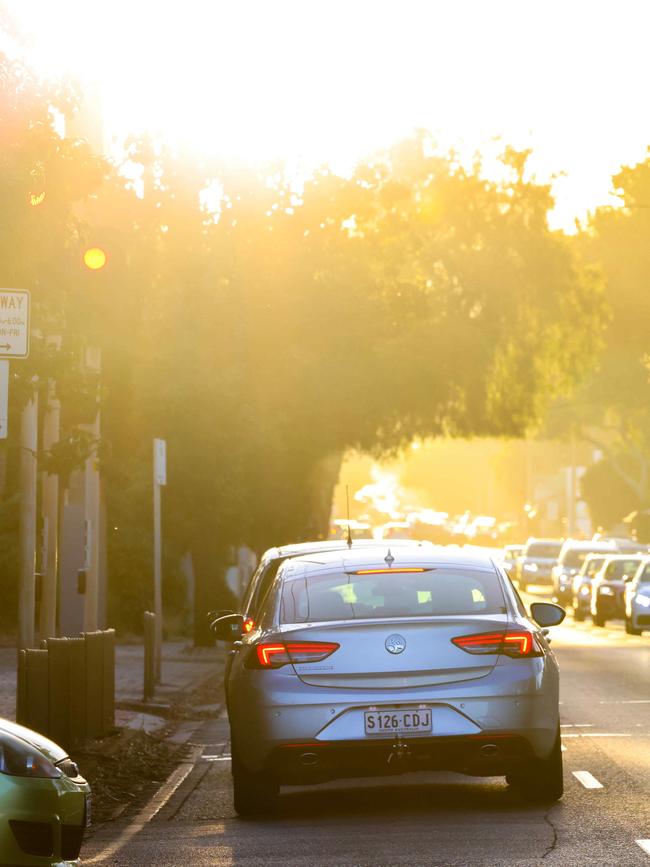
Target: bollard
x,y
109,681
32,705
67,690
100,682
94,684
149,654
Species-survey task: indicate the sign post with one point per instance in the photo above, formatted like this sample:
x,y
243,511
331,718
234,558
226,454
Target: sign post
x,y
14,343
4,398
159,480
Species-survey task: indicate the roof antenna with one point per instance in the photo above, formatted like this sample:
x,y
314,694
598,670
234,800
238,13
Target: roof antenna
x,y
347,500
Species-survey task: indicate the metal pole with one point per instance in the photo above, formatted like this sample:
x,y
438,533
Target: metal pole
x,y
572,487
28,481
51,427
92,512
157,577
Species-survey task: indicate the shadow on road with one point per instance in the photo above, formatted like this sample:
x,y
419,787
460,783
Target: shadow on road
x,y
394,799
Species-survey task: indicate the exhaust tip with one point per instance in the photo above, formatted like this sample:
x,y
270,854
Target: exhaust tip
x,y
489,751
309,759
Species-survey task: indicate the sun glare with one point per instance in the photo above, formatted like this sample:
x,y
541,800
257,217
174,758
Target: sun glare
x,y
308,83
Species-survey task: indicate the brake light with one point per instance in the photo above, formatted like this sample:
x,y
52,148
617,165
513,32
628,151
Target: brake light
x,y
282,653
517,644
389,571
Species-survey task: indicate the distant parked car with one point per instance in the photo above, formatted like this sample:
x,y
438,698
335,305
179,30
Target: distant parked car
x,y
637,600
537,560
608,587
581,587
572,556
44,800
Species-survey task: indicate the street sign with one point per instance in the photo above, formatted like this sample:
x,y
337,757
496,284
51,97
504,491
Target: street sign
x,y
4,398
14,323
160,462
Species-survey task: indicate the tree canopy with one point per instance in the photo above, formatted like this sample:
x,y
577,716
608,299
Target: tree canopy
x,y
264,324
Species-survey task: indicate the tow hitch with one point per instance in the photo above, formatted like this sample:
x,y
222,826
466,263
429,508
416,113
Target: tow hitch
x,y
400,752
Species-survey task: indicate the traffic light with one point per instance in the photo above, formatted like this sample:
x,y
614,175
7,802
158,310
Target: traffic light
x,y
95,258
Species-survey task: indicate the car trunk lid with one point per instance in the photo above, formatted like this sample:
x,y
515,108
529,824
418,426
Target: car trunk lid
x,y
396,653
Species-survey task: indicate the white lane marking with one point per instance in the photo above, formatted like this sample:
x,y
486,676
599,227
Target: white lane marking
x,y
587,780
146,814
598,735
563,748
577,725
627,701
216,758
645,845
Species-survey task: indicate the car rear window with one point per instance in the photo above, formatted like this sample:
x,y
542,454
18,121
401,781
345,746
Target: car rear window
x,y
342,596
543,549
618,568
593,565
574,558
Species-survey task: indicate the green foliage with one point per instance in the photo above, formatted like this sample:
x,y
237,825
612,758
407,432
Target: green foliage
x,y
608,496
612,408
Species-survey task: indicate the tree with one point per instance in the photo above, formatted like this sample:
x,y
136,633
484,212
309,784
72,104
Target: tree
x,y
612,409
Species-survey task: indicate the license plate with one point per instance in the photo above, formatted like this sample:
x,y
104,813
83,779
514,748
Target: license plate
x,y
391,722
88,811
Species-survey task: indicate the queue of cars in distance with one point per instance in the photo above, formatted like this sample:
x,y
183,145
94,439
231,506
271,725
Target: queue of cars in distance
x,y
44,800
569,563
599,577
377,660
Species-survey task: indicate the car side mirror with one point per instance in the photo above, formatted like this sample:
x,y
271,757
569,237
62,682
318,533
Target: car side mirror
x,y
217,613
547,613
628,578
228,628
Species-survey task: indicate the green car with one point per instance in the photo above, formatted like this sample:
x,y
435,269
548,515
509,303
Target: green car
x,y
44,801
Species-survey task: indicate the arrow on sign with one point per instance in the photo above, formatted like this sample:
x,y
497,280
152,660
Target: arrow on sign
x,y
5,345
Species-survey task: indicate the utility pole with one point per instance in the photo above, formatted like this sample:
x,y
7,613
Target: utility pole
x,y
28,482
159,480
92,501
51,515
572,488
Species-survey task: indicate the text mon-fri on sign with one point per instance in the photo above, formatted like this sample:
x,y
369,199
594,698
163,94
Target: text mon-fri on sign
x,y
14,341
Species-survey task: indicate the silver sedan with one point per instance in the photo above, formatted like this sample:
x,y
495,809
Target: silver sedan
x,y
378,662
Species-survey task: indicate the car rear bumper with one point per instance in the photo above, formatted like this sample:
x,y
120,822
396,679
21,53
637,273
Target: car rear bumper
x,y
518,701
477,755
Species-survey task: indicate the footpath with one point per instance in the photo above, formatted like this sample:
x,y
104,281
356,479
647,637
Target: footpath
x,y
184,669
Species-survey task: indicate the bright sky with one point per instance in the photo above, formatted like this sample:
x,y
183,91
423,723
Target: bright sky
x,y
312,81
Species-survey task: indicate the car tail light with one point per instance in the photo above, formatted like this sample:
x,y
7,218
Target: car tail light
x,y
517,644
277,654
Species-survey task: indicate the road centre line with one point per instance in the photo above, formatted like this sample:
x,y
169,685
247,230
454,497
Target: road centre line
x,y
587,780
598,735
645,845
